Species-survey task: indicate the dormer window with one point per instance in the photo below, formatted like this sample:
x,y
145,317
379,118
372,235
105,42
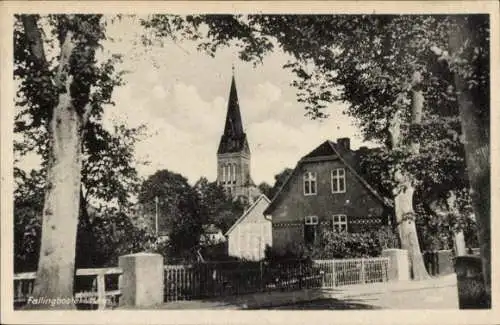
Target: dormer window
x,y
310,183
338,180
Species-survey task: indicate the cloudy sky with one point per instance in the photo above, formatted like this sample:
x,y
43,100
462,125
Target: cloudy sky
x,y
181,95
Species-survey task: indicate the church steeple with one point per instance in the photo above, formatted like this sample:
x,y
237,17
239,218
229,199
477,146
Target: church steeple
x,y
233,154
234,137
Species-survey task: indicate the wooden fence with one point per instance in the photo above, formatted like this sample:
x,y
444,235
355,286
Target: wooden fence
x,y
186,282
95,288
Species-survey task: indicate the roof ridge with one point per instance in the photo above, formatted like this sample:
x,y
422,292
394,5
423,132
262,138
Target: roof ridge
x,y
357,175
247,211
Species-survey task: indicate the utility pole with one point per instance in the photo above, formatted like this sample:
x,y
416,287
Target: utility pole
x,y
156,215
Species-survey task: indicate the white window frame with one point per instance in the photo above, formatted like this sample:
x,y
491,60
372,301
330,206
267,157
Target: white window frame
x,y
341,221
336,177
311,220
308,178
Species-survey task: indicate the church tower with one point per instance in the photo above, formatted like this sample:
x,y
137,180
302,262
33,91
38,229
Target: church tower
x,y
233,154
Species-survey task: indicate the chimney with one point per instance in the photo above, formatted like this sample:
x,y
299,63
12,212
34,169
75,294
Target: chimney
x,y
345,143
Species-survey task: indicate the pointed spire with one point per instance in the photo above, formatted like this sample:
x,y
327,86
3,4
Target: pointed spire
x,y
234,125
234,137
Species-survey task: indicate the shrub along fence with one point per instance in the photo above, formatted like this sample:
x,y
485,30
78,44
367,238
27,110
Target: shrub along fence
x,y
215,279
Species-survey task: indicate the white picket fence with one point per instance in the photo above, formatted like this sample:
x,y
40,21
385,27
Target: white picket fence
x,y
353,271
186,282
93,294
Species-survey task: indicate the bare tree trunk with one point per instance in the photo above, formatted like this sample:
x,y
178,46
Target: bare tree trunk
x,y
60,215
443,208
476,134
458,235
405,218
404,190
55,274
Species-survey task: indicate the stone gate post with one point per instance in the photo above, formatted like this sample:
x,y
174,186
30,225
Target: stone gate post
x,y
399,268
141,283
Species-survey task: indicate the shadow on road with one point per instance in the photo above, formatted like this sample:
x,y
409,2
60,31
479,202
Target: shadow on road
x,y
326,304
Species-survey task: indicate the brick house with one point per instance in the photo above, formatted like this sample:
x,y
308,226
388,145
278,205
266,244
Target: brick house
x,y
326,190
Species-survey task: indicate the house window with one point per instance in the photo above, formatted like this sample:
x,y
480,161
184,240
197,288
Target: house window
x,y
310,183
340,223
338,180
310,227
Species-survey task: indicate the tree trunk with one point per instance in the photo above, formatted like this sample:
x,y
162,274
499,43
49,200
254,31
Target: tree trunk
x,y
55,274
444,208
67,120
404,189
476,135
405,218
458,234
459,243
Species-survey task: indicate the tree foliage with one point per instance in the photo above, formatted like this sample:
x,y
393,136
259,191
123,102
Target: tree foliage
x,y
217,207
108,166
179,214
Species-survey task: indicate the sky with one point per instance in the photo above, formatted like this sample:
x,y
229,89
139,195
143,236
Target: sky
x,y
181,95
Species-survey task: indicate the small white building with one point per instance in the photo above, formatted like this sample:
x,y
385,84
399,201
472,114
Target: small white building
x,y
250,234
211,235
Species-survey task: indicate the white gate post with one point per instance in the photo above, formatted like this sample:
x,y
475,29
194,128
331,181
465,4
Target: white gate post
x,y
142,280
363,271
399,267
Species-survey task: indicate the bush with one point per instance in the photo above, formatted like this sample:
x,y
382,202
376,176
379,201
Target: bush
x,y
353,245
387,238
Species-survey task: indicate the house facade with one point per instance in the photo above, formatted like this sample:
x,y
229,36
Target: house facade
x,y
251,233
325,190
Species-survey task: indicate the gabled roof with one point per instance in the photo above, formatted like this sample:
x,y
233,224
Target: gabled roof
x,y
359,177
324,149
234,138
327,149
211,229
245,214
